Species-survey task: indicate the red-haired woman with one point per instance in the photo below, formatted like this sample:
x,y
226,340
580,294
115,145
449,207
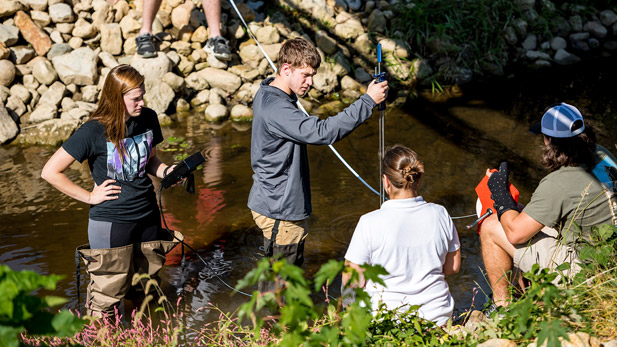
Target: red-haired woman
x,y
119,143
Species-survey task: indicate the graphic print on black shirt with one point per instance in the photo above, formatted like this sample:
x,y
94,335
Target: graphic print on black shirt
x,y
138,150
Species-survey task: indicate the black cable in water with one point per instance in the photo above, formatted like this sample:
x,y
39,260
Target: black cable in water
x,y
192,249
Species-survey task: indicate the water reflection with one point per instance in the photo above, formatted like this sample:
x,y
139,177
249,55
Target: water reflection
x,y
457,140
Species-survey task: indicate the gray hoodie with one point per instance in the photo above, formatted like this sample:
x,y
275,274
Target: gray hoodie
x,y
280,132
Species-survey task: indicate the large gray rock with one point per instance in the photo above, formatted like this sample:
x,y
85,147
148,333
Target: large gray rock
x,y
77,67
43,112
240,113
174,81
54,94
61,13
158,95
9,7
268,35
350,29
50,132
22,54
563,57
608,17
196,81
325,80
9,34
16,106
325,42
59,49
596,29
84,29
558,43
530,42
221,79
21,92
8,127
216,113
7,72
111,38
153,68
37,5
377,22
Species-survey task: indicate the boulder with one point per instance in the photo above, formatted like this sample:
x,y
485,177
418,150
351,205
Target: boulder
x,y
108,60
595,29
5,52
563,57
216,113
38,38
8,127
325,42
21,92
608,17
7,72
16,107
268,35
240,113
77,67
181,15
61,13
36,5
201,98
51,132
22,54
196,81
59,49
9,34
158,95
325,80
111,38
174,81
84,29
54,94
9,7
377,22
42,19
221,79
152,68
43,112
349,29
89,93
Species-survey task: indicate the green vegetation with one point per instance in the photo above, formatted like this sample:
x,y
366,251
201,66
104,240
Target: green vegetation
x,y
287,315
20,311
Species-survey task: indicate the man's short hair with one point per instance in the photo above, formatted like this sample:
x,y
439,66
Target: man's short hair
x,y
297,53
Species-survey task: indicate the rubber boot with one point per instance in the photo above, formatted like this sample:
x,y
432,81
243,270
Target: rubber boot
x,y
110,271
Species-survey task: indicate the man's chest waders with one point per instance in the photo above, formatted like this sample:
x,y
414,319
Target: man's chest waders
x,y
294,253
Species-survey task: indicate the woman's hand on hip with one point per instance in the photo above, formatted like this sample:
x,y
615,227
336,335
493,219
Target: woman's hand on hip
x,y
106,191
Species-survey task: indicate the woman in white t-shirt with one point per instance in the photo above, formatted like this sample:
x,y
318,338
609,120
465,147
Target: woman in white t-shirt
x,y
415,241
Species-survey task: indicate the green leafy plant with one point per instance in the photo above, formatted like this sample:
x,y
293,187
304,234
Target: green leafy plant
x,y
21,312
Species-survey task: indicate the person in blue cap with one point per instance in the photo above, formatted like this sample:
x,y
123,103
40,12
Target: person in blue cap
x,y
563,208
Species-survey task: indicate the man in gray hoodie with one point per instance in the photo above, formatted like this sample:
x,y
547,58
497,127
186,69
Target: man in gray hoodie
x,y
280,198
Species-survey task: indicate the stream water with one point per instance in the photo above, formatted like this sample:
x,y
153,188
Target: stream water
x,y
457,139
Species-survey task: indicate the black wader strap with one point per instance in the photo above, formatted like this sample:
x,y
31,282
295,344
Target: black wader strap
x,y
77,275
275,230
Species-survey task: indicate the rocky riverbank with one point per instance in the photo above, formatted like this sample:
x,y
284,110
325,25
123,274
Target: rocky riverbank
x,y
55,54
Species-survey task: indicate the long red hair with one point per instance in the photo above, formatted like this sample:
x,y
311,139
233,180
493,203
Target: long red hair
x,y
111,109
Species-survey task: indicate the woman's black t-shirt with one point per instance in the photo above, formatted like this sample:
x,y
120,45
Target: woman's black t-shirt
x,y
137,199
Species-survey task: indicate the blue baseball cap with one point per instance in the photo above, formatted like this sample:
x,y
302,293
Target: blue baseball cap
x,y
562,120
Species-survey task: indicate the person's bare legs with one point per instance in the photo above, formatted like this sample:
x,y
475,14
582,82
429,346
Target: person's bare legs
x,y
212,9
497,253
151,7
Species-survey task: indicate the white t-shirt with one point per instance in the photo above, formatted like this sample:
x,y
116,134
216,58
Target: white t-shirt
x,y
410,239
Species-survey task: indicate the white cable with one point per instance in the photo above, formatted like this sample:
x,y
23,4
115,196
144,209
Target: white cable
x,y
336,153
233,4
